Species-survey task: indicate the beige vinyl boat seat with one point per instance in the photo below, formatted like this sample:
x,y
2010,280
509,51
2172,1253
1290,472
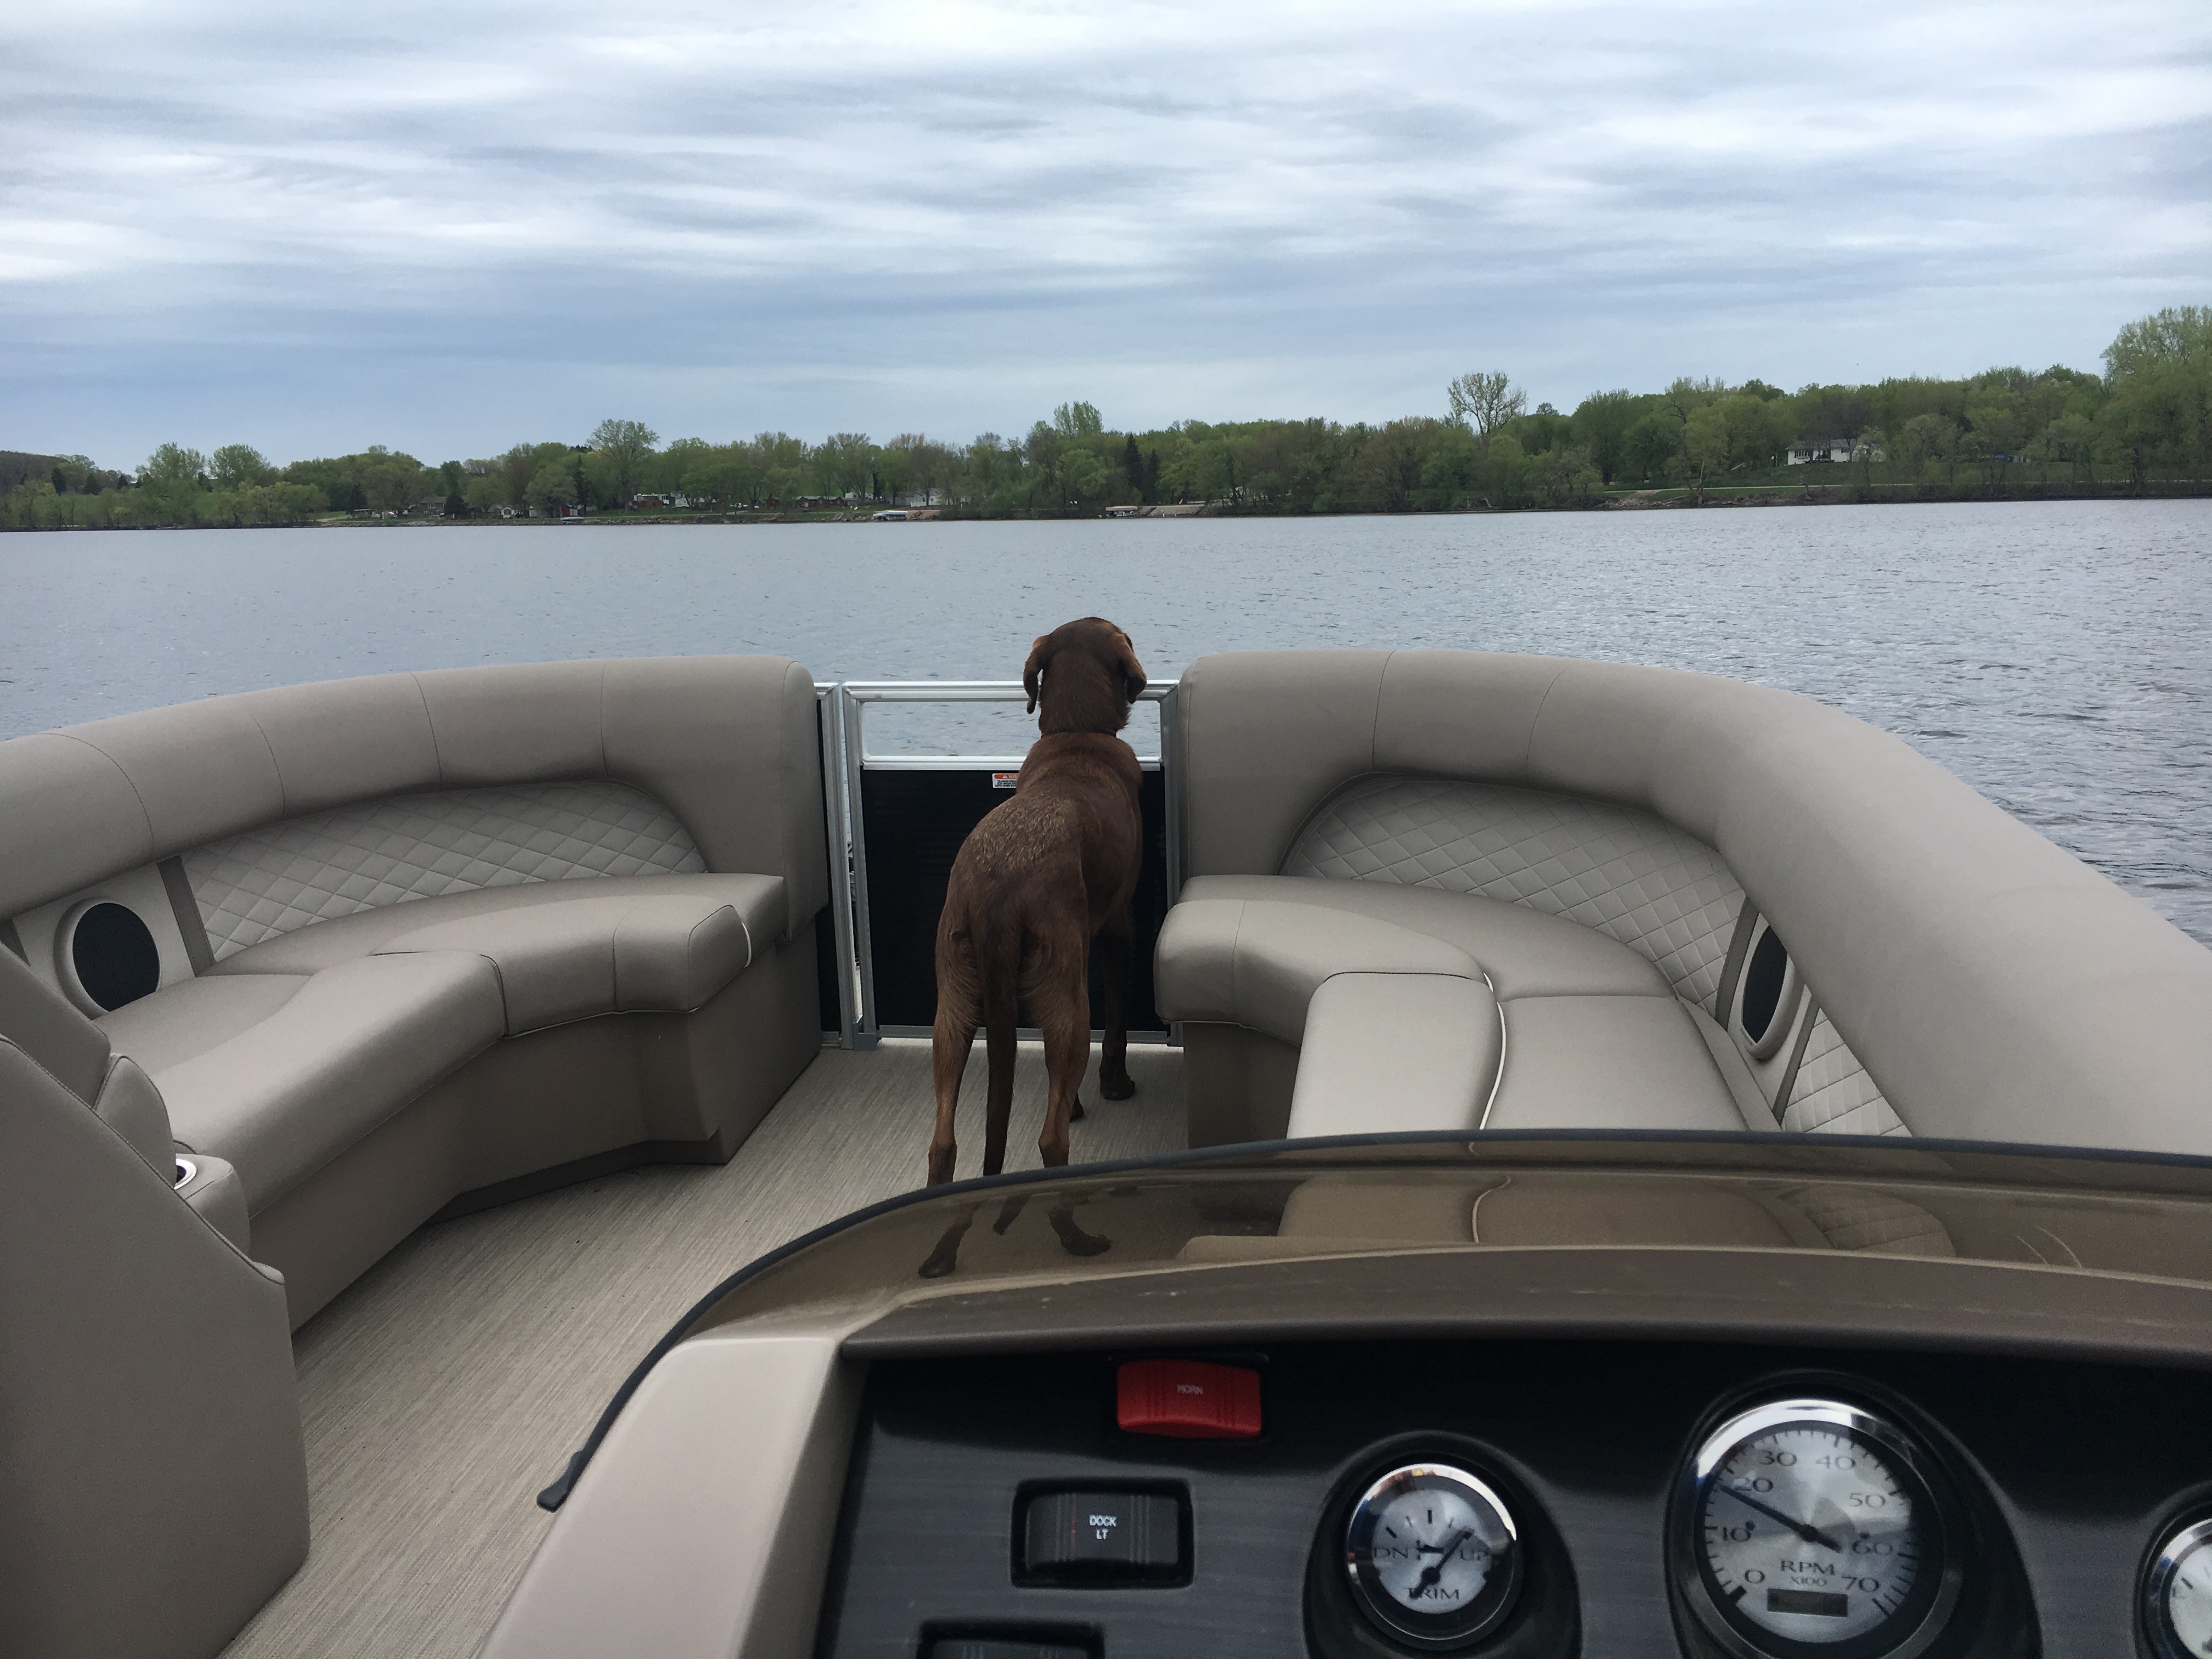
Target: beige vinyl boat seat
x,y
282,1057
1374,842
435,937
393,945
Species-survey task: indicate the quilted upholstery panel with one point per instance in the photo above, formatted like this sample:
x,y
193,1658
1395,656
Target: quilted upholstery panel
x,y
1629,874
269,881
1860,1218
1833,1093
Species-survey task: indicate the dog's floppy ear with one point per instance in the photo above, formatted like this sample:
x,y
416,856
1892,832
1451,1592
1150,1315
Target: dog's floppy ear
x,y
1033,667
1133,672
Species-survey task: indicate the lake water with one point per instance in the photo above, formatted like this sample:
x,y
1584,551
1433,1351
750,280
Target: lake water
x,y
2057,656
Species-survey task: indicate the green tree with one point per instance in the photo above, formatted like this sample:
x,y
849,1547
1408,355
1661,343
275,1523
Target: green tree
x,y
1078,420
1485,399
842,463
1704,445
1601,422
169,485
236,465
2179,334
1648,446
628,445
552,486
1506,472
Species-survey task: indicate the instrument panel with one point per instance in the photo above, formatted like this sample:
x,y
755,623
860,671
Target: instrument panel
x,y
1522,1500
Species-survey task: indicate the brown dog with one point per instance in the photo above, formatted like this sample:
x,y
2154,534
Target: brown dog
x,y
1035,881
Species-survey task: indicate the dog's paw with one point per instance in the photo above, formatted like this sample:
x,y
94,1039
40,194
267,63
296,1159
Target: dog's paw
x,y
1075,1241
1117,1088
1075,1113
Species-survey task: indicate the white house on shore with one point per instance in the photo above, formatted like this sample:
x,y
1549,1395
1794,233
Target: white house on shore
x,y
1834,449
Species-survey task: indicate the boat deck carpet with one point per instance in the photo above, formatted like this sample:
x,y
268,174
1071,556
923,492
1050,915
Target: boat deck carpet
x,y
452,1382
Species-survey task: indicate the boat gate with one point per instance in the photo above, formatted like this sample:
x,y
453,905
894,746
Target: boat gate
x,y
896,818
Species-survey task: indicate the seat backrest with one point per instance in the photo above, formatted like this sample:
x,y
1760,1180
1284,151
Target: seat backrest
x,y
73,1052
1996,987
157,1488
726,747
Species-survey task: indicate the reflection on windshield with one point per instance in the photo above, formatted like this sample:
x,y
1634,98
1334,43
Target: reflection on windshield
x,y
2042,1211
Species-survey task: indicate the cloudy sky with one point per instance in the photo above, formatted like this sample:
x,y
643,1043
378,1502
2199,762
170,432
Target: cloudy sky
x,y
450,228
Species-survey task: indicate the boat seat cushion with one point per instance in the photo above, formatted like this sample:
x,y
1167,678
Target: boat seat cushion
x,y
1395,1051
278,1073
1524,952
1608,1063
1258,964
1593,1036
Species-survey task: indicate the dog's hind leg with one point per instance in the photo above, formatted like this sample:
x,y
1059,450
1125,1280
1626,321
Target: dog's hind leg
x,y
1001,1013
949,1044
1061,999
1115,1082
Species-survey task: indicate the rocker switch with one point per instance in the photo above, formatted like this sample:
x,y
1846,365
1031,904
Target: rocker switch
x,y
1103,1536
1188,1400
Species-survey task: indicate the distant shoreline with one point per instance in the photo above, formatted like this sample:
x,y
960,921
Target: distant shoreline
x,y
1620,501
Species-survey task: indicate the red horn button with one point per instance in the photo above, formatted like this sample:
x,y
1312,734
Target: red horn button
x,y
1188,1400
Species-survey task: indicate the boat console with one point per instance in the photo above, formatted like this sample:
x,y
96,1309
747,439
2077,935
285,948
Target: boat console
x,y
1552,1395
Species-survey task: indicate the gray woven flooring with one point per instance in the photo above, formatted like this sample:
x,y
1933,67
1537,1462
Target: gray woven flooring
x,y
453,1380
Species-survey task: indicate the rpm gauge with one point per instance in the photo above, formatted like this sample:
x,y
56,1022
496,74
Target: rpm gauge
x,y
1809,1527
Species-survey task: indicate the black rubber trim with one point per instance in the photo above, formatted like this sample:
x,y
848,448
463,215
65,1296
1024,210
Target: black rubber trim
x,y
186,909
557,1494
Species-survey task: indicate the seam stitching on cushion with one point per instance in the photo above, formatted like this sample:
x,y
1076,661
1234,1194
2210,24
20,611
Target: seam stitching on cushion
x,y
614,951
284,798
1374,725
130,783
1235,962
437,749
1529,749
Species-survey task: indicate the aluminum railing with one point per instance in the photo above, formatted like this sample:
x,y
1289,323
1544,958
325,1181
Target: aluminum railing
x,y
846,757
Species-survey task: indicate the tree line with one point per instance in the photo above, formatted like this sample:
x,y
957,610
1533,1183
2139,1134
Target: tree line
x,y
2147,419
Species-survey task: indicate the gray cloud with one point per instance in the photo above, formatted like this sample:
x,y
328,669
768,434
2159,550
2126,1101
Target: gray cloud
x,y
449,226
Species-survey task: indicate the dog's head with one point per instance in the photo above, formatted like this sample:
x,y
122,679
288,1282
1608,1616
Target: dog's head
x,y
1087,675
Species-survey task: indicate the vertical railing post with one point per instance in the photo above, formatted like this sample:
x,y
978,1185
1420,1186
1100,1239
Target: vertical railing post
x,y
866,1033
836,807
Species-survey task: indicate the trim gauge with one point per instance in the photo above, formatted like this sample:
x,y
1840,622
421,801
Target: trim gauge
x,y
1432,1555
2177,1604
1808,1527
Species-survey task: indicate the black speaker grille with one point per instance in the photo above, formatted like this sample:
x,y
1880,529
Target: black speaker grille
x,y
1762,984
114,955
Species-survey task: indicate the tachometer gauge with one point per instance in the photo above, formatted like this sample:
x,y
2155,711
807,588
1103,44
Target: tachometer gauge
x,y
1809,1527
1434,1556
2178,1594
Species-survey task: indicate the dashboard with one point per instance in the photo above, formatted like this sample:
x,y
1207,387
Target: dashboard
x,y
1522,1499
